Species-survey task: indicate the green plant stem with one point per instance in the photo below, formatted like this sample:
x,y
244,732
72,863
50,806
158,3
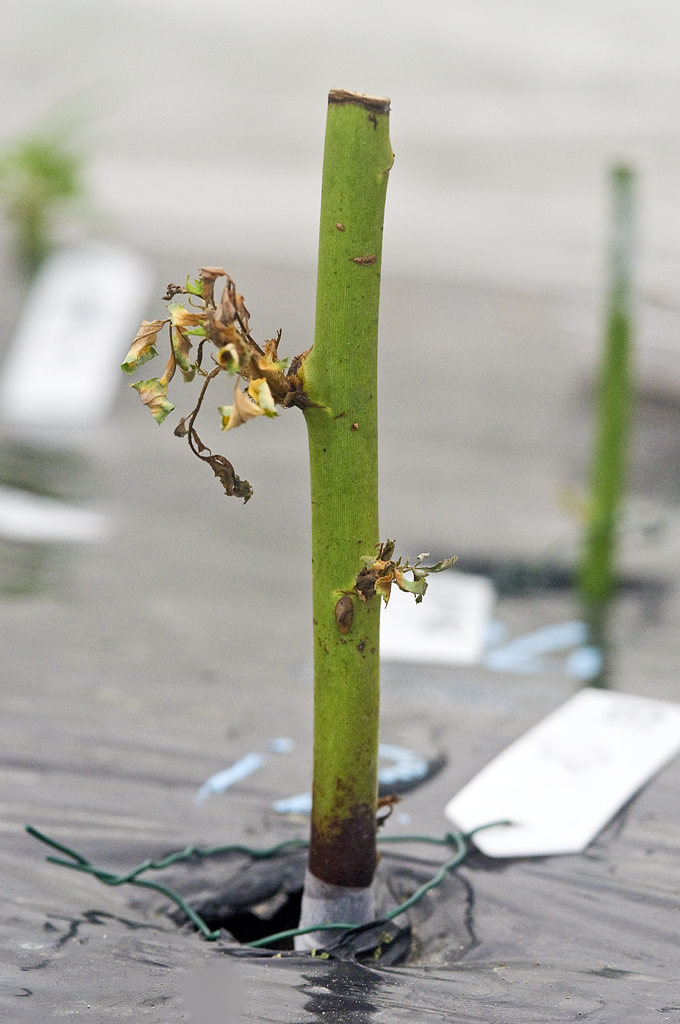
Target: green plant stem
x,y
340,374
597,570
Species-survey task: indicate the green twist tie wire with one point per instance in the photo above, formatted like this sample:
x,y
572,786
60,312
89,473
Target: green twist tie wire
x,y
459,840
79,863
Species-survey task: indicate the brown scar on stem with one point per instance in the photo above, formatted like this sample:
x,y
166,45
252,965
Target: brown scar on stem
x,y
340,227
365,261
355,426
342,850
344,614
379,104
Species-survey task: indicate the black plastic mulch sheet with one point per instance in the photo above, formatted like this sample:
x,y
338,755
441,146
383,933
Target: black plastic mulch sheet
x,y
593,936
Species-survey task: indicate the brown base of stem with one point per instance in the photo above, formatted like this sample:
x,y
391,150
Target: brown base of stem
x,y
344,852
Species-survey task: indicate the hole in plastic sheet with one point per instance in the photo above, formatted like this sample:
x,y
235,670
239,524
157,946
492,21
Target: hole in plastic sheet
x,y
258,898
249,925
263,897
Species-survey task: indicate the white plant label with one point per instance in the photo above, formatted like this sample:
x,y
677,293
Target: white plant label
x,y
447,628
63,367
562,781
29,517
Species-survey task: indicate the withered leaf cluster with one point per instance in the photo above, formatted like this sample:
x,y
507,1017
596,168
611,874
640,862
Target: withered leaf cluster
x,y
381,571
270,381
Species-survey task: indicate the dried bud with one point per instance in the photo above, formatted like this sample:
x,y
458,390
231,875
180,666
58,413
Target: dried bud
x,y
228,358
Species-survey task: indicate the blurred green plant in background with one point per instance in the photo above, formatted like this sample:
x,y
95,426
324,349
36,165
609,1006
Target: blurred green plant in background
x,y
598,573
40,176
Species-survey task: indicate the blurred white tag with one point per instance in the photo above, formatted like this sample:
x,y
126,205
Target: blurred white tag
x,y
82,313
565,779
447,628
29,517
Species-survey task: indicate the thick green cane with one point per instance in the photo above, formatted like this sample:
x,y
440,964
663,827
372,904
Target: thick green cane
x,y
340,375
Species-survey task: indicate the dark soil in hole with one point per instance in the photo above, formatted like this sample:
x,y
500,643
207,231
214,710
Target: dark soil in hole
x,y
256,899
247,926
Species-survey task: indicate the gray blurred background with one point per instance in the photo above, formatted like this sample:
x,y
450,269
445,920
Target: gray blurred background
x,y
203,128
206,123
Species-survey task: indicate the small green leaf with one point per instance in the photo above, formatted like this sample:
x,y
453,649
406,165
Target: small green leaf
x,y
194,289
446,563
416,586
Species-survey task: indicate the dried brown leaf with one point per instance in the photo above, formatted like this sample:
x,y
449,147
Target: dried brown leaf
x,y
244,315
224,471
297,362
170,368
142,348
240,412
226,311
181,346
208,276
182,317
271,348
